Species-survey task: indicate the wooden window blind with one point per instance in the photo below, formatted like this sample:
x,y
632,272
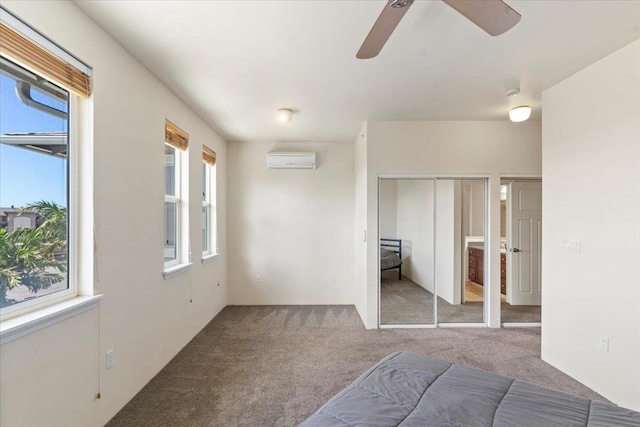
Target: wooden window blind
x,y
175,137
20,49
208,155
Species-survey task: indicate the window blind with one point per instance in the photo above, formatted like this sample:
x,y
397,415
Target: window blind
x,y
175,136
22,50
208,155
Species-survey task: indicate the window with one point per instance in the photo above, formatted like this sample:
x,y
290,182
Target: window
x,y
175,192
209,217
40,87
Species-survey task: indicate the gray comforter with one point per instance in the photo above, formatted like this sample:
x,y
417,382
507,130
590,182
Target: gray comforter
x,y
411,390
389,259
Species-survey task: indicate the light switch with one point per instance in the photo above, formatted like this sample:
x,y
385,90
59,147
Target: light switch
x,y
571,245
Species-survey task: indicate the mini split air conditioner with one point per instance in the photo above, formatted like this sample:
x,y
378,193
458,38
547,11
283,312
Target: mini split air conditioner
x,y
282,160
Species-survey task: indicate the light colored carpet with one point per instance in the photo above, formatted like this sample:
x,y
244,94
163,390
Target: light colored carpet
x,y
404,302
276,365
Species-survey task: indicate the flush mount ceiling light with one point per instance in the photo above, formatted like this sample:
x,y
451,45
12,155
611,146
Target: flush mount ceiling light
x,y
284,115
520,113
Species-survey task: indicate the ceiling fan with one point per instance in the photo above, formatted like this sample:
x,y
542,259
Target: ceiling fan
x,y
493,16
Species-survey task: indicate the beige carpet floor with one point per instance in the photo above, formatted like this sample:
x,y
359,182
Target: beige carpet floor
x,y
276,365
403,302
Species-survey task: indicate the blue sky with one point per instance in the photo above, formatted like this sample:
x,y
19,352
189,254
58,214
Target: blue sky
x,y
27,176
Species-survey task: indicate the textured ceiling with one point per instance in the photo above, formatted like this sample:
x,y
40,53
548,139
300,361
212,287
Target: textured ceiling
x,y
236,62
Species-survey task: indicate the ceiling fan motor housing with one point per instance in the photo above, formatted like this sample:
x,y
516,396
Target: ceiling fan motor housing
x,y
401,3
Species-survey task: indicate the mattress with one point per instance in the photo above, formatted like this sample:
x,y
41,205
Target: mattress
x,y
410,390
389,259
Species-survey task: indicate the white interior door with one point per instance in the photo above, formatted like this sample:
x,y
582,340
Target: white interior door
x,y
524,222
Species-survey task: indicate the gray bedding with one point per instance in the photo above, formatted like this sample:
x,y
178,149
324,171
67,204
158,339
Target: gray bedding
x,y
389,259
411,390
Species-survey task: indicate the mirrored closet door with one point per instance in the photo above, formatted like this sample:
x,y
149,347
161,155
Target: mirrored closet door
x,y
406,217
460,249
431,251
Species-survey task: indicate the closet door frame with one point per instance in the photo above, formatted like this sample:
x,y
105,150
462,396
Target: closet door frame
x,y
489,299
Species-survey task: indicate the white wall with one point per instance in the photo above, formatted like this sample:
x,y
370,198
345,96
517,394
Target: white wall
x,y
488,149
591,192
473,207
503,218
388,208
415,228
360,223
292,227
144,318
448,240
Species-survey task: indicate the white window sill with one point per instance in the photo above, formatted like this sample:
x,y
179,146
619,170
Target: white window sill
x,y
26,324
209,257
175,270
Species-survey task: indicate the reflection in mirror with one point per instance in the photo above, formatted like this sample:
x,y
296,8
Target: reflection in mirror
x,y
460,243
433,242
432,235
406,216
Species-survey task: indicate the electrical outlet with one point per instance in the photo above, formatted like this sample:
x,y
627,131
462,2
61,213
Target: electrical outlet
x,y
109,359
604,343
258,278
332,278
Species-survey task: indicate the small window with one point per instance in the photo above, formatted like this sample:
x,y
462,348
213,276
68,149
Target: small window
x,y
175,192
209,214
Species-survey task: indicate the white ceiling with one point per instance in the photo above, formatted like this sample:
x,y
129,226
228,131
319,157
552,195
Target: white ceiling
x,y
236,62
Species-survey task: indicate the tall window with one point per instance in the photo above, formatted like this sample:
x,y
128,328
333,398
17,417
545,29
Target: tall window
x,y
175,206
209,216
38,94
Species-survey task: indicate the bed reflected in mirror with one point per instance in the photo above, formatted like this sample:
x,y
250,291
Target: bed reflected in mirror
x,y
406,251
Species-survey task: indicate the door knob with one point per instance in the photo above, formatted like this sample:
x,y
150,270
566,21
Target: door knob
x,y
515,250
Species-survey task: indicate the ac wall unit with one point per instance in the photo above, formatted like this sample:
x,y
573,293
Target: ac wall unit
x,y
282,160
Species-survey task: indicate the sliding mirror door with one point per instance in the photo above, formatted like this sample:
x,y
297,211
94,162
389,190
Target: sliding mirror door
x,y
432,251
460,250
406,230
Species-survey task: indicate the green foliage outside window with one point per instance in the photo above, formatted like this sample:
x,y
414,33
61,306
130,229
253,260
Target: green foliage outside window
x,y
34,257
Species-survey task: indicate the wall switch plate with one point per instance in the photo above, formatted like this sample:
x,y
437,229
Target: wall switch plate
x,y
258,278
332,278
571,245
109,359
604,343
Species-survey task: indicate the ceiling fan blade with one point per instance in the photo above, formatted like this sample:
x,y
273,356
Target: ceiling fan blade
x,y
388,20
493,16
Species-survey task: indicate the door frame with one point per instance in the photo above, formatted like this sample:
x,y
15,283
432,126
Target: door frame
x,y
505,179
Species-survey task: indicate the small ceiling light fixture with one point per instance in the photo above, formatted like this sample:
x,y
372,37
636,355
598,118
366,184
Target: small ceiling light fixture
x,y
399,4
520,113
284,115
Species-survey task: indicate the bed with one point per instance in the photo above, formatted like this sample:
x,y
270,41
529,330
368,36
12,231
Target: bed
x,y
391,255
410,390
